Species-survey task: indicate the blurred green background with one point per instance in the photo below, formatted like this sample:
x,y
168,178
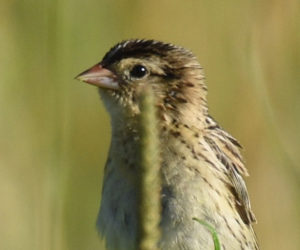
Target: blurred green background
x,y
55,133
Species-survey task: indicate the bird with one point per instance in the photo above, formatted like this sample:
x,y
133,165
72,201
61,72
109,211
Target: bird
x,y
202,168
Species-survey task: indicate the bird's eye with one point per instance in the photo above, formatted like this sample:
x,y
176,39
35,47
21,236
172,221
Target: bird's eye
x,y
138,71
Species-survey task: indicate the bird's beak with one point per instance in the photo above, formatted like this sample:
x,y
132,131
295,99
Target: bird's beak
x,y
99,76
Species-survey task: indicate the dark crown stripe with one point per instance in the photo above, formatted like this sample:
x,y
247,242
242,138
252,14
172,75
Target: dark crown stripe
x,y
138,48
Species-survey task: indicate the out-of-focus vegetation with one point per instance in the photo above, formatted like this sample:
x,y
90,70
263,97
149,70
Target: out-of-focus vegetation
x,y
150,206
54,132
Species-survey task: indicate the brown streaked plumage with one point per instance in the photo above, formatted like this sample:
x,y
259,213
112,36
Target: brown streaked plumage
x,y
202,167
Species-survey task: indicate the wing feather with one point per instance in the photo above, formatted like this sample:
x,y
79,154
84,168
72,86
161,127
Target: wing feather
x,y
226,149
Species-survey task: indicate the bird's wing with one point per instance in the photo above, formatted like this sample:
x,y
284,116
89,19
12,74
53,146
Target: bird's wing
x,y
226,149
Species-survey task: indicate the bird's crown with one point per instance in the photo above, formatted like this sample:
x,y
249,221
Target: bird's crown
x,y
142,47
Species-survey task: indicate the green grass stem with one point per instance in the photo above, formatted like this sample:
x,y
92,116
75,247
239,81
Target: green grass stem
x,y
212,231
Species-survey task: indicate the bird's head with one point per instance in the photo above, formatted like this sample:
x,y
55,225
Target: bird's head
x,y
173,72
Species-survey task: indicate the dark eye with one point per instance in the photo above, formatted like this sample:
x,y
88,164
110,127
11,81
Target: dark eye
x,y
138,71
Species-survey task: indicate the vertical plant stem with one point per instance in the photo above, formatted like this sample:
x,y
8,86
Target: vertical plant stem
x,y
150,176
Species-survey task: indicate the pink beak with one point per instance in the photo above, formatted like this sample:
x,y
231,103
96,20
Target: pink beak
x,y
99,76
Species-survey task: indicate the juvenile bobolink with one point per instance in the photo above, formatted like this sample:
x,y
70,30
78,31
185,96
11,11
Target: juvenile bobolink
x,y
201,164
